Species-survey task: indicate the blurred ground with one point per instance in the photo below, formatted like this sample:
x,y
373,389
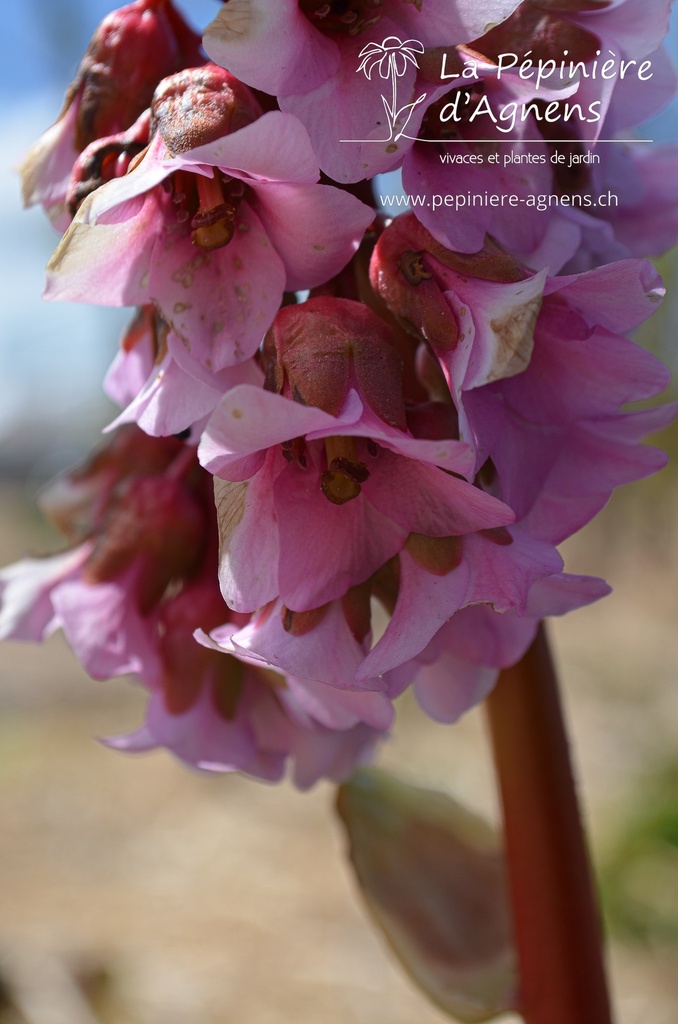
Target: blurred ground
x,y
178,897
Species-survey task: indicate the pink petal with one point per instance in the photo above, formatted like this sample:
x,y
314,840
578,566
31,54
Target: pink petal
x,y
107,263
169,401
618,296
104,628
46,169
129,371
248,556
324,548
26,593
249,420
315,229
502,574
306,656
274,148
455,23
452,686
345,115
425,603
337,708
272,47
447,453
220,303
333,755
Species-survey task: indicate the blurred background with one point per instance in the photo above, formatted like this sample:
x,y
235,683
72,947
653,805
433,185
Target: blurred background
x,y
136,892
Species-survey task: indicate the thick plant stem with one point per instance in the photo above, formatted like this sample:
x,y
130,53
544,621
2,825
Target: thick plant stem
x,y
557,927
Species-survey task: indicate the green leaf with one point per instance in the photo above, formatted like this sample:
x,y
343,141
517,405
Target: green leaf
x,y
432,874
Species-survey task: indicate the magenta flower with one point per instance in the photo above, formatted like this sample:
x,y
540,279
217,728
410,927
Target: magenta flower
x,y
213,234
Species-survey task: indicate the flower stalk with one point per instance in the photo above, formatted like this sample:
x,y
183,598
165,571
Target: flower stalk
x,y
556,920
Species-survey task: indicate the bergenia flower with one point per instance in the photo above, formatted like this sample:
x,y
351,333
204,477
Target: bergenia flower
x,y
306,54
342,465
129,598
219,218
550,377
130,52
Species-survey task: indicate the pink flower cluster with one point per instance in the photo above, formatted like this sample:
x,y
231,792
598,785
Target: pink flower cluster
x,y
397,421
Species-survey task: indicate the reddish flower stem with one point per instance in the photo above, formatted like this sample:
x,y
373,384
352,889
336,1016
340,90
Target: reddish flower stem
x,y
557,928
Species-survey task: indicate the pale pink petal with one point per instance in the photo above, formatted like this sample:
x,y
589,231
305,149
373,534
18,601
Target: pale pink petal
x,y
26,593
129,371
328,653
169,401
315,229
497,328
249,547
460,22
448,453
563,593
274,148
637,26
332,755
425,603
249,420
339,708
618,296
502,574
452,686
270,46
106,263
346,119
46,169
102,625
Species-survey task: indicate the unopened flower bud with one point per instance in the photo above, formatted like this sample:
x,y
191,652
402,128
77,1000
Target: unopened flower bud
x,y
131,51
75,502
200,105
316,351
158,522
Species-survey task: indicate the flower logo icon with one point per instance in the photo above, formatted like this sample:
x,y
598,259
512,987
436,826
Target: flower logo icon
x,y
390,59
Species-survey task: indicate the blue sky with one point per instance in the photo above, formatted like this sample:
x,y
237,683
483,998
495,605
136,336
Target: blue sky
x,y
52,357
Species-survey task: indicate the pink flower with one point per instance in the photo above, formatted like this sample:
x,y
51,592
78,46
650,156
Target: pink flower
x,y
131,50
319,500
537,369
461,664
238,221
309,55
221,712
130,597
